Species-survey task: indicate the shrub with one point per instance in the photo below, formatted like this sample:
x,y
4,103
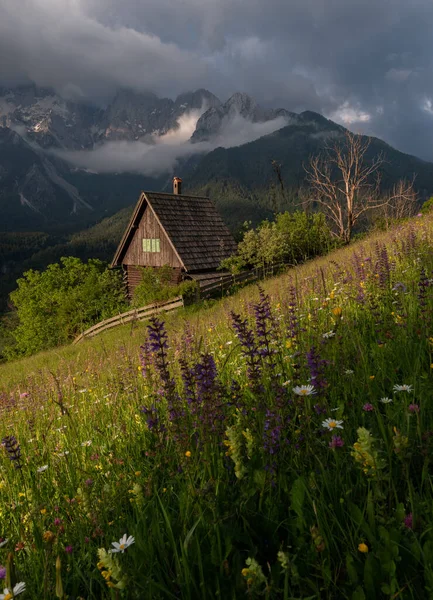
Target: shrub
x,y
53,306
156,286
292,237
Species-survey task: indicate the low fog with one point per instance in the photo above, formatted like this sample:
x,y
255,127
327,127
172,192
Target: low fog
x,y
163,152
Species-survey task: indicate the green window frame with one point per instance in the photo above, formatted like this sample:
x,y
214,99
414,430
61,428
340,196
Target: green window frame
x,y
151,245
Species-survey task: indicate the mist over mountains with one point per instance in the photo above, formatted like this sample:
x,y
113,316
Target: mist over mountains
x,y
65,165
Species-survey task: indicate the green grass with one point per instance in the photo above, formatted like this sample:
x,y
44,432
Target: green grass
x,y
228,480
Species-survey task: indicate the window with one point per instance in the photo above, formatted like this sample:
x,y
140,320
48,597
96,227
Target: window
x,y
151,245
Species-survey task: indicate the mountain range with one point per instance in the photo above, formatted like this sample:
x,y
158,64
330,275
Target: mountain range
x,y
48,199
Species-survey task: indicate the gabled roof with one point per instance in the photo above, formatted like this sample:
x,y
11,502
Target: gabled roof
x,y
193,226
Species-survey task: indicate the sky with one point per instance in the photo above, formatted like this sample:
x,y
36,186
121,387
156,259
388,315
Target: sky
x,y
367,64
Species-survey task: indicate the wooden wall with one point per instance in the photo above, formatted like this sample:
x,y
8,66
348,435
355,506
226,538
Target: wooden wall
x,y
132,277
150,228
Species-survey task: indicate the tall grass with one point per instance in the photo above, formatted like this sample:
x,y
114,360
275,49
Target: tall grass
x,y
276,444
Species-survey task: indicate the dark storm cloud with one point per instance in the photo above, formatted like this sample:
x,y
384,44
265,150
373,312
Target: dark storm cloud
x,y
366,63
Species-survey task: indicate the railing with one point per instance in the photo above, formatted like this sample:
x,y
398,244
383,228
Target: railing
x,y
137,314
227,281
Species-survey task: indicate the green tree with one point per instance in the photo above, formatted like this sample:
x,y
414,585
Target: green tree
x,y
291,238
55,305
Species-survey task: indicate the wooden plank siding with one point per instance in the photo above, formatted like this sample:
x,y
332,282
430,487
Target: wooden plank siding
x,y
133,275
149,227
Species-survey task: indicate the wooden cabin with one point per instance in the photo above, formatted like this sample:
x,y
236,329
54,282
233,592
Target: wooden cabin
x,y
185,232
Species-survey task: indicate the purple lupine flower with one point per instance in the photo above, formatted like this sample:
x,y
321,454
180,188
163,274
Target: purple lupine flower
x,y
336,442
368,407
408,521
13,449
189,381
2,572
249,349
265,325
316,366
152,418
209,395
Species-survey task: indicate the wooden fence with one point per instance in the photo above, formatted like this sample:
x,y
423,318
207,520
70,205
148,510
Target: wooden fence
x,y
138,314
206,290
227,281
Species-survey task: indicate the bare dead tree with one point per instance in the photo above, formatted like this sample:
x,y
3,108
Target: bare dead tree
x,y
344,183
402,201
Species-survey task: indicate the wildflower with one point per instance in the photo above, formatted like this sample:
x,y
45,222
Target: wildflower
x,y
386,400
366,454
19,546
304,390
87,443
408,521
43,511
89,482
348,372
403,388
328,335
286,383
332,424
48,537
2,572
42,469
57,521
188,454
368,407
336,442
363,548
413,408
123,543
13,449
3,542
372,377
68,549
137,473
17,589
337,311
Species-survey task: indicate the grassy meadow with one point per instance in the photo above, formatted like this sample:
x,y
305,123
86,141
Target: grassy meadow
x,y
275,444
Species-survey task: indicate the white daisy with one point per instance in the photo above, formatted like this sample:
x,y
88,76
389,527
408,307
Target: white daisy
x,y
386,400
122,544
403,388
3,543
304,390
42,469
328,334
348,372
88,443
286,383
332,424
18,589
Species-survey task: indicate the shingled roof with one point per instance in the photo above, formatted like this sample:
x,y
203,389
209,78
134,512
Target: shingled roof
x,y
192,224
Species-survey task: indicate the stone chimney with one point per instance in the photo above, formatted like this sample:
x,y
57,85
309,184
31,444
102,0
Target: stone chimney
x,y
177,185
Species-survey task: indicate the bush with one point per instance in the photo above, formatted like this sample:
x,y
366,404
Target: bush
x,y
55,305
156,286
291,238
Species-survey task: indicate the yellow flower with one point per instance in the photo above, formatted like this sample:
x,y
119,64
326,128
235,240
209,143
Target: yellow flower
x,y
337,311
48,536
43,511
431,366
137,473
139,367
372,376
363,548
245,572
188,454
